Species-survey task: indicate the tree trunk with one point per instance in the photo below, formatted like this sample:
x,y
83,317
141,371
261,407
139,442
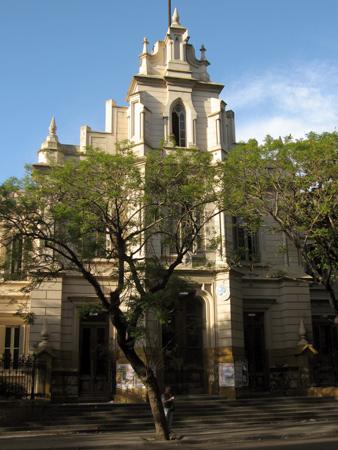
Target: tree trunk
x,y
149,380
161,426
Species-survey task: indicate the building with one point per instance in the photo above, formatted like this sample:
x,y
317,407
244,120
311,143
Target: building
x,y
257,323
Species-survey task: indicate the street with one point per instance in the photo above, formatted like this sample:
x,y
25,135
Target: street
x,y
285,444
104,442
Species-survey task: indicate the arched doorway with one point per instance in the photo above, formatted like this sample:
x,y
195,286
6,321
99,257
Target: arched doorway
x,y
182,343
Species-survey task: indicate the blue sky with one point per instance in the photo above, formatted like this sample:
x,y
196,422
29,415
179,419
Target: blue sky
x,y
278,60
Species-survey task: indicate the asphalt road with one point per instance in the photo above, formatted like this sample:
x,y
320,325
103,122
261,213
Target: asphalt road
x,y
278,444
289,436
285,444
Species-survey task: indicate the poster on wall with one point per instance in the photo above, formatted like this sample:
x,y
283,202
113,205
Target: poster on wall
x,y
126,378
226,374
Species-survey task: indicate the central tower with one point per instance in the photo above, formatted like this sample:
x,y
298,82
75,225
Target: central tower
x,y
172,95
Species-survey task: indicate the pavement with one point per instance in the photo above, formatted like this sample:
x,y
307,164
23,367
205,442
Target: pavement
x,y
228,434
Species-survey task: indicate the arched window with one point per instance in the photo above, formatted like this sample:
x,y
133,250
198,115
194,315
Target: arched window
x,y
178,125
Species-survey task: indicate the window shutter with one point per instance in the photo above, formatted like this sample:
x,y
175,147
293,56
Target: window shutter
x,y
2,339
22,341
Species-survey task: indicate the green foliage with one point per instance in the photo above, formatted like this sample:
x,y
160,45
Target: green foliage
x,y
294,182
90,307
182,195
10,389
105,216
124,223
280,273
283,249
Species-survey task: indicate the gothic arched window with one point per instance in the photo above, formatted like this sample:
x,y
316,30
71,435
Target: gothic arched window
x,y
178,125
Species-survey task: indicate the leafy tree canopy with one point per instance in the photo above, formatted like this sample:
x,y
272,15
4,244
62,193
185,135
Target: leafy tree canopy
x,y
123,222
296,183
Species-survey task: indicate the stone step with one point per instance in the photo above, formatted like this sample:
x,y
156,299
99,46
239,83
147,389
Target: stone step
x,y
181,418
185,411
182,408
194,411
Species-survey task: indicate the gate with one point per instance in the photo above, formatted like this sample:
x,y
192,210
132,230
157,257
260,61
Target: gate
x,y
325,370
22,377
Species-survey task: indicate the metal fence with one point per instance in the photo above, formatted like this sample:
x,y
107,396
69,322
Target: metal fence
x,y
22,377
325,370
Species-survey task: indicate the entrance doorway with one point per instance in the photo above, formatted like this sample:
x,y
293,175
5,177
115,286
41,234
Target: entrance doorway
x,y
325,340
182,341
94,379
254,342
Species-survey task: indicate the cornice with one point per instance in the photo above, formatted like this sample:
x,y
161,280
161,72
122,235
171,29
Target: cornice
x,y
156,80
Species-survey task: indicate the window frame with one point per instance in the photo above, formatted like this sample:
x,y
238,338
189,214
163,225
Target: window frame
x,y
13,261
12,344
179,124
249,251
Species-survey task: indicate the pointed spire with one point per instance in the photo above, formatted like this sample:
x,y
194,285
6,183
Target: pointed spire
x,y
176,18
52,130
144,57
302,333
203,50
45,334
145,46
52,126
52,142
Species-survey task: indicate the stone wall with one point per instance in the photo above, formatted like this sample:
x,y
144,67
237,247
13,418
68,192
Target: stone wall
x,y
15,411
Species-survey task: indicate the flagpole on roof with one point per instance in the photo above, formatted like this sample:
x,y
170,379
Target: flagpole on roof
x,y
169,13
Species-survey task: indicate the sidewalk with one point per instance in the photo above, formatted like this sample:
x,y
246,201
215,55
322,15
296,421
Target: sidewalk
x,y
228,435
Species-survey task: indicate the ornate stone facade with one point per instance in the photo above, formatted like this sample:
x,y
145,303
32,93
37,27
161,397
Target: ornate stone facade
x,y
252,316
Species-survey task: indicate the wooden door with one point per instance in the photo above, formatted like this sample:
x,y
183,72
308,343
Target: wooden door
x,y
255,350
182,342
94,379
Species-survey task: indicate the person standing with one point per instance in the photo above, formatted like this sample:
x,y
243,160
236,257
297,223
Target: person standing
x,y
168,402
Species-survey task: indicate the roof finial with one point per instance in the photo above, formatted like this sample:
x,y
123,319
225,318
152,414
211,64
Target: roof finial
x,y
202,50
52,130
176,18
302,333
52,141
45,334
145,45
52,127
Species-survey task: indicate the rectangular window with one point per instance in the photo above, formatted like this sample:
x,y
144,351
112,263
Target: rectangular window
x,y
174,235
13,339
245,241
94,245
13,264
101,243
198,243
183,229
135,117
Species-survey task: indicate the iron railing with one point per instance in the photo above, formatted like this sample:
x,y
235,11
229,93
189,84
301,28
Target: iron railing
x,y
325,370
22,377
